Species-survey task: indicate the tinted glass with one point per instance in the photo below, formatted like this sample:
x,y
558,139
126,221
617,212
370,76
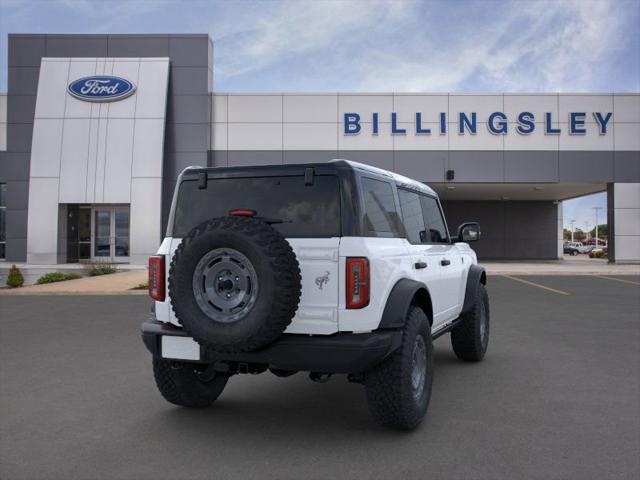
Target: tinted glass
x,y
3,194
103,233
84,224
380,214
122,233
437,231
306,210
3,214
412,216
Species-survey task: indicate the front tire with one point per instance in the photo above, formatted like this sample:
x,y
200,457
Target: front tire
x,y
470,338
399,389
180,384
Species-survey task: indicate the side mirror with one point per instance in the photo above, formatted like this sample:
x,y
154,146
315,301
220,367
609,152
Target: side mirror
x,y
469,232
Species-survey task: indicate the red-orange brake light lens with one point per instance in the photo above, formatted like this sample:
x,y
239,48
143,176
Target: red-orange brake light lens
x,y
358,282
156,278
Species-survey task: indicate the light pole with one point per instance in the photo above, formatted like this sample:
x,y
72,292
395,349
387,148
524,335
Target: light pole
x,y
586,231
596,209
572,228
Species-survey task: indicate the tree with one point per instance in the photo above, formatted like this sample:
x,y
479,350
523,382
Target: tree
x,y
603,231
578,235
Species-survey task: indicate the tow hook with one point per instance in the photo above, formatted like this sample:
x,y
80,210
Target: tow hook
x,y
207,374
319,377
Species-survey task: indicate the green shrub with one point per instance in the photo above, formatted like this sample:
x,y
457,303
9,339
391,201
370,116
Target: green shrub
x,y
100,269
15,278
52,277
596,254
141,286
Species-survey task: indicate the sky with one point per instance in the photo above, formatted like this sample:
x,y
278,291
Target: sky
x,y
376,45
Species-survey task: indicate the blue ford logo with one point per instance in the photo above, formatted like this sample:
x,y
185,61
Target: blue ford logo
x,y
101,88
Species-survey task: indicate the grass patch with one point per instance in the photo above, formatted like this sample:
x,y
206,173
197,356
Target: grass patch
x,y
97,269
53,277
141,286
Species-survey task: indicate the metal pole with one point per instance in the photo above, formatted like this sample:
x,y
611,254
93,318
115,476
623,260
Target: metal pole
x,y
572,228
596,209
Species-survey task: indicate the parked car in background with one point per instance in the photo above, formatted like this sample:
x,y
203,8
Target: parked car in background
x,y
592,241
578,247
571,249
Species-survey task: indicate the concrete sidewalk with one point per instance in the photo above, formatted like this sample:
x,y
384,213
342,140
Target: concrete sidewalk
x,y
122,283
568,266
113,284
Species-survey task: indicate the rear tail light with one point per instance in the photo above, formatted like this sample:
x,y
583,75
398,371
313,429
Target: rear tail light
x,y
156,277
242,212
358,282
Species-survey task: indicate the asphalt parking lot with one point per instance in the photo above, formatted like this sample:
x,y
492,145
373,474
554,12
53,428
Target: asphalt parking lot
x,y
558,396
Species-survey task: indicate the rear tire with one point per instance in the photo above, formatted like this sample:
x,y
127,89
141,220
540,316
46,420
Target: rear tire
x,y
399,389
470,338
179,384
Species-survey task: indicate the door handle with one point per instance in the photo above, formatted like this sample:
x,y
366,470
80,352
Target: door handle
x,y
445,262
419,265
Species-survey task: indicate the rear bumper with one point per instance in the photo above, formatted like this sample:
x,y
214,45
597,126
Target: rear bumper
x,y
338,353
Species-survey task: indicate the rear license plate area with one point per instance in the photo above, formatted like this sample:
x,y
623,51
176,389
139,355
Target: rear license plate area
x,y
180,348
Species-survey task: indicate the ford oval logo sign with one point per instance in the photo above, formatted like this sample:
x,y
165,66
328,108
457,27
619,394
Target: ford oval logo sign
x,y
101,88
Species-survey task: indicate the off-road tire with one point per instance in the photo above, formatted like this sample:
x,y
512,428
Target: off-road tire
x,y
278,275
179,384
468,339
388,386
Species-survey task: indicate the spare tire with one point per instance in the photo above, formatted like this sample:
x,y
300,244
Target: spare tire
x,y
234,284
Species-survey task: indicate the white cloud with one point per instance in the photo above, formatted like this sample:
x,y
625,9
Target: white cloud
x,y
377,45
291,29
532,46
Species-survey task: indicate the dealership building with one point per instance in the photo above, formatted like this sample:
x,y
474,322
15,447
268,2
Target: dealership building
x,y
95,129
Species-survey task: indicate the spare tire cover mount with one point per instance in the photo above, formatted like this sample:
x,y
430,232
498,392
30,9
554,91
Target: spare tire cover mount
x,y
225,285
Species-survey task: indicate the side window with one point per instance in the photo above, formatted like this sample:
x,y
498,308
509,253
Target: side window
x,y
380,215
436,228
412,216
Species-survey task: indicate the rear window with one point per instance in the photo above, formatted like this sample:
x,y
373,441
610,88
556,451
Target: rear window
x,y
306,210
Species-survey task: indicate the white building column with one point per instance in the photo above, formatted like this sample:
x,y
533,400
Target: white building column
x,y
560,236
97,153
624,222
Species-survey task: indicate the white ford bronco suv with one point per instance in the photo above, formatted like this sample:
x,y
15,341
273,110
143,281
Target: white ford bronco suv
x,y
326,268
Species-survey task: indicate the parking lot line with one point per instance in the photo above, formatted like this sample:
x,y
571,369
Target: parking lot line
x,y
534,284
631,282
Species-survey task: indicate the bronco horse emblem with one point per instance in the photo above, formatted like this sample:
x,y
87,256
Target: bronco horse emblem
x,y
322,280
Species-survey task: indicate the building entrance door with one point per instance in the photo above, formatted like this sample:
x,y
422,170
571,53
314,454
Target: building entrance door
x,y
110,239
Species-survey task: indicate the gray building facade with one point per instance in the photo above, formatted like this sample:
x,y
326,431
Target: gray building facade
x,y
92,181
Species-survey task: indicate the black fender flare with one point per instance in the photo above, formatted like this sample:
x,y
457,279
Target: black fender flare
x,y
400,299
475,277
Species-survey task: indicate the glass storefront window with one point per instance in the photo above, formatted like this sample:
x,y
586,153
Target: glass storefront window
x,y
110,232
103,233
